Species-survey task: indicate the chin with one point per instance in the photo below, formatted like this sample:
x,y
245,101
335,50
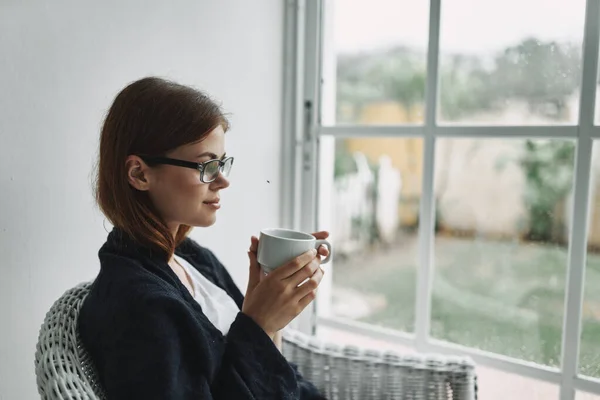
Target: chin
x,y
205,221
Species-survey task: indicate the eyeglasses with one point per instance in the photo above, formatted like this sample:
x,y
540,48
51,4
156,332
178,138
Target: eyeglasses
x,y
209,170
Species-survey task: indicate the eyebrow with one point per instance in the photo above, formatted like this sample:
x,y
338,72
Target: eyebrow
x,y
212,156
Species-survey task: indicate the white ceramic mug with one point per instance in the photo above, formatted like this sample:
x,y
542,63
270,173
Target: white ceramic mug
x,y
276,247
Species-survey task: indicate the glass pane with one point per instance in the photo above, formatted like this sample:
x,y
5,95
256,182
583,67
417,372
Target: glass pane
x,y
586,396
589,358
343,338
510,62
501,244
499,385
372,201
597,110
375,57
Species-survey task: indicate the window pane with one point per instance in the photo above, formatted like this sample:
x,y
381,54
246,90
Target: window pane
x,y
586,396
500,247
510,62
589,358
597,111
373,205
498,385
343,338
375,61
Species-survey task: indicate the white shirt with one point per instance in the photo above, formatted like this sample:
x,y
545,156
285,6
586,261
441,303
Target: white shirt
x,y
219,308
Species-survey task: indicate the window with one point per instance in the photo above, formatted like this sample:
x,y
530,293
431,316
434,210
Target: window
x,y
455,172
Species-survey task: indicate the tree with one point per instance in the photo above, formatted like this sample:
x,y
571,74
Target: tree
x,y
548,169
464,87
401,76
353,90
544,74
396,74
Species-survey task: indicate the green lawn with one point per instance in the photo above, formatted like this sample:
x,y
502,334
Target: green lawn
x,y
502,297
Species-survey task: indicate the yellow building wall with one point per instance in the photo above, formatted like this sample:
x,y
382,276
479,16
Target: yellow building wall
x,y
389,113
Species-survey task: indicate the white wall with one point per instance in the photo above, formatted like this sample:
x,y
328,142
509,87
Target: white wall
x,y
61,64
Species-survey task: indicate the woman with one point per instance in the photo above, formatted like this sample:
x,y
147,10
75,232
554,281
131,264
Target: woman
x,y
164,319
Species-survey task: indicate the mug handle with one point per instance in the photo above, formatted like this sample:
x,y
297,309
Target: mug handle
x,y
318,244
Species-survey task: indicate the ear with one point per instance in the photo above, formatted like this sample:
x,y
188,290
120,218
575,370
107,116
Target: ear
x,y
137,173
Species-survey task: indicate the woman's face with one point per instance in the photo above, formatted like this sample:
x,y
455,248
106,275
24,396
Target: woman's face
x,y
177,192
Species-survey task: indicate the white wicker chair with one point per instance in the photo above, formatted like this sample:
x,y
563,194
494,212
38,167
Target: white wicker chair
x,y
64,370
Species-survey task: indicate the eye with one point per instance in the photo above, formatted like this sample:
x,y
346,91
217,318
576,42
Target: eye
x,y
211,169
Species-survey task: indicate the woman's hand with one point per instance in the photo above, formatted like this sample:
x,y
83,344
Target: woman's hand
x,y
274,300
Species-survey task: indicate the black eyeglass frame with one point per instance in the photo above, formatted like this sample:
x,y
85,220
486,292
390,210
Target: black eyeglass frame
x,y
152,161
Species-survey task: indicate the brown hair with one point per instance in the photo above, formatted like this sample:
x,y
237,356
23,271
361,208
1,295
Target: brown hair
x,y
151,117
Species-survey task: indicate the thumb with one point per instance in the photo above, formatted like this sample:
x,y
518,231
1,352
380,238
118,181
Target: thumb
x,y
254,278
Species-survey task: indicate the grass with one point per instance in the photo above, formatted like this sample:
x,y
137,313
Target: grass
x,y
503,297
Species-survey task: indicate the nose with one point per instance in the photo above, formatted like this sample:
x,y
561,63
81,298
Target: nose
x,y
221,182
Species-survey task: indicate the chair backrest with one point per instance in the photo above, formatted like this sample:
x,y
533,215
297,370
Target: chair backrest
x,y
62,366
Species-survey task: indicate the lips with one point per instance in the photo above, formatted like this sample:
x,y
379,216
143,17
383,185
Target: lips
x,y
214,203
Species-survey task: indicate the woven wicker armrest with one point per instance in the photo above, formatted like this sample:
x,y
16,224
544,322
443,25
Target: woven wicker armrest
x,y
350,372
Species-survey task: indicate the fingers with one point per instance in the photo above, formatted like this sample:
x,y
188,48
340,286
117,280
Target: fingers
x,y
308,291
253,254
304,273
323,250
321,235
255,273
254,244
294,266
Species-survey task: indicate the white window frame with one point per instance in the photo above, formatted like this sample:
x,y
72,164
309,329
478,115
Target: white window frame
x,y
300,151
